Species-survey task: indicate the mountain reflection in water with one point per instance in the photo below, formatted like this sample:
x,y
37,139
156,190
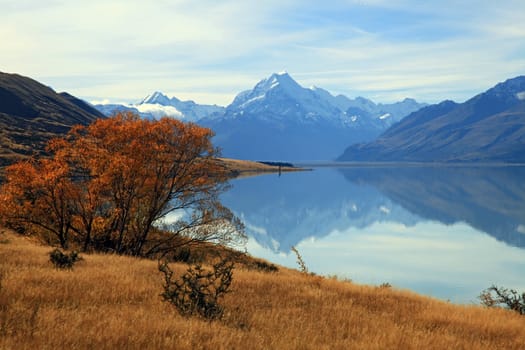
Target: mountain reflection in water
x,y
282,211
443,231
490,199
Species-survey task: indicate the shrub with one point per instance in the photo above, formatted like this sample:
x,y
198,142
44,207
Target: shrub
x,y
63,261
300,261
510,298
264,266
198,291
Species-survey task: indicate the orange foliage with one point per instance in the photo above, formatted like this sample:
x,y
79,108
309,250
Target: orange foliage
x,y
110,182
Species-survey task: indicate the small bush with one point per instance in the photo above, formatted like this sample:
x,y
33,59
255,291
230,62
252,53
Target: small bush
x,y
63,261
300,261
188,255
198,291
182,254
264,266
509,298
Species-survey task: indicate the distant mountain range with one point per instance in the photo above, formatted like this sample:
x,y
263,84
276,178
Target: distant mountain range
x,y
157,105
280,120
32,113
490,127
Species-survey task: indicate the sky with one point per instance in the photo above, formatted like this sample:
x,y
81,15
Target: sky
x,y
209,50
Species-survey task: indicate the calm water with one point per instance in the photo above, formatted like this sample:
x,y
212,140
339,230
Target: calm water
x,y
444,232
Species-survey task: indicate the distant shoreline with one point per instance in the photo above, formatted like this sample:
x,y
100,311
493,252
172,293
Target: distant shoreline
x,y
334,164
244,168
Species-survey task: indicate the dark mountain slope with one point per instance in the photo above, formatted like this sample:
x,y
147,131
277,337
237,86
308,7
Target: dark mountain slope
x,y
489,127
32,113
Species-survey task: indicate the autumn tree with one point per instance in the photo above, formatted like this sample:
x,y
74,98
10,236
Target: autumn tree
x,y
109,185
36,198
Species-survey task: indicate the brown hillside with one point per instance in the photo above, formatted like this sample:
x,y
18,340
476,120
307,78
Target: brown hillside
x,y
32,113
113,302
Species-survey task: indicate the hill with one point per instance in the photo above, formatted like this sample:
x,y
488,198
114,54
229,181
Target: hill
x,y
489,127
32,113
113,302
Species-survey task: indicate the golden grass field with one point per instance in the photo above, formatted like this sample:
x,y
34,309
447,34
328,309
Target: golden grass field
x,y
113,302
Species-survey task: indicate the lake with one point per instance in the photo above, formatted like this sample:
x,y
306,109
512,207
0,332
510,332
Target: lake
x,y
446,232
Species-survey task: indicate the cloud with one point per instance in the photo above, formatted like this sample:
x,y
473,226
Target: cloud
x,y
380,49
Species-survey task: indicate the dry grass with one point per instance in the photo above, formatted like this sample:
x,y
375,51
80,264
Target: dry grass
x,y
112,302
245,168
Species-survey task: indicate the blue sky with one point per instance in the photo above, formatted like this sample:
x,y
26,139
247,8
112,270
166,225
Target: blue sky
x,y
209,51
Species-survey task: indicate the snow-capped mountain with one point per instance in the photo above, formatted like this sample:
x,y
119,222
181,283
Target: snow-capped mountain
x,y
157,105
281,120
279,97
361,107
187,110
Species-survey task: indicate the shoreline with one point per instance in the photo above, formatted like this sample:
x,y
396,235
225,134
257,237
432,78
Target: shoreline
x,y
335,164
238,168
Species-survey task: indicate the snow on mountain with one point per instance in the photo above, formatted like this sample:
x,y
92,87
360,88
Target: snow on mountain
x,y
280,96
157,105
173,107
158,98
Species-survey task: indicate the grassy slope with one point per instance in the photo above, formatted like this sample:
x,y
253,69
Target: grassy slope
x,y
112,302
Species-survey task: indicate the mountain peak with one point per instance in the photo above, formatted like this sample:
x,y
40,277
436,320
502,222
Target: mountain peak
x,y
157,98
278,83
281,79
